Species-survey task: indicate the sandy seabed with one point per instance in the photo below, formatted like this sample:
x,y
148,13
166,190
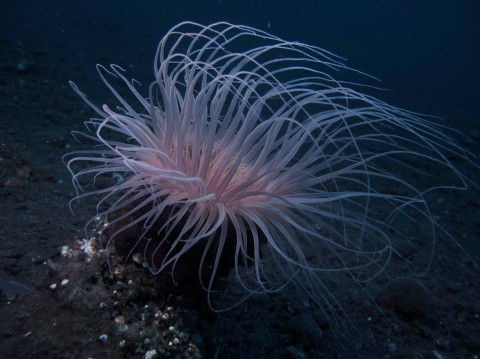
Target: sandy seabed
x,y
75,311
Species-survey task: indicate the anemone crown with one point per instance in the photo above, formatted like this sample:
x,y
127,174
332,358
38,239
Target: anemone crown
x,y
250,140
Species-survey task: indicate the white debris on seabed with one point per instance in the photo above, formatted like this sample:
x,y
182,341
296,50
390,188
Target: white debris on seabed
x,y
66,251
103,338
139,324
123,328
151,354
86,246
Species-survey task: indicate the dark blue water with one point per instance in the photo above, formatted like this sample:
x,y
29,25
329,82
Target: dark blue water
x,y
426,51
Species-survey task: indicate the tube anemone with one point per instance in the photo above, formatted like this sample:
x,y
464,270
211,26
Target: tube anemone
x,y
248,142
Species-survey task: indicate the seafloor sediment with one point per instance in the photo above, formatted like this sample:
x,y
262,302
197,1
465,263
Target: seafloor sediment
x,y
75,309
